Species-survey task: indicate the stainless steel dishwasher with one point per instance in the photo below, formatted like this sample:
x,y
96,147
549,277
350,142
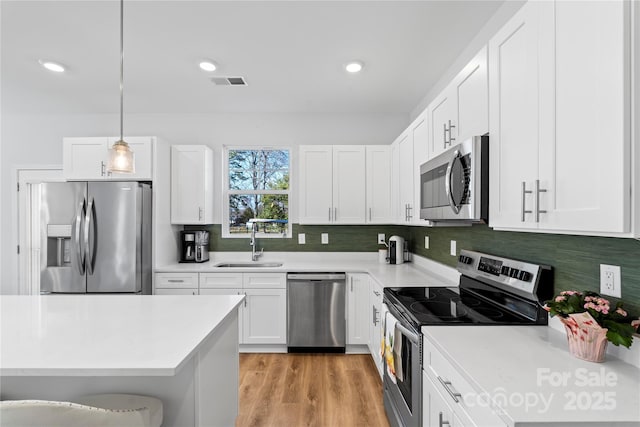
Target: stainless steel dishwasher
x,y
316,318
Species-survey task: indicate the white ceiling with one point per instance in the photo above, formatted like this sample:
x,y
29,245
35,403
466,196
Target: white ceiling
x,y
290,52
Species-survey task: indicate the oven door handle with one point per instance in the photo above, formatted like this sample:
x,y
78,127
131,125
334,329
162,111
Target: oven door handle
x,y
412,336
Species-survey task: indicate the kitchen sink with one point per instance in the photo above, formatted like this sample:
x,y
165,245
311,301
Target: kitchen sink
x,y
248,264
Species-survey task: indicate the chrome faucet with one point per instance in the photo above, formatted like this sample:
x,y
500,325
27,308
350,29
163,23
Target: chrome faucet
x,y
254,255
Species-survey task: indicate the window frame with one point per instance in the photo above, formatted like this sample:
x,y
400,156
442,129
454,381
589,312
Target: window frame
x,y
226,191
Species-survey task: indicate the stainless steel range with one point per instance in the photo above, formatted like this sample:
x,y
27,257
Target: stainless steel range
x,y
492,291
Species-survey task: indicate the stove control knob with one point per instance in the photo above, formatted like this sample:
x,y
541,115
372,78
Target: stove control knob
x,y
505,270
514,272
465,259
525,276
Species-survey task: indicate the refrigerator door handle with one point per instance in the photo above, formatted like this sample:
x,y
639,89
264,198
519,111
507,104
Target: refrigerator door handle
x,y
89,226
77,231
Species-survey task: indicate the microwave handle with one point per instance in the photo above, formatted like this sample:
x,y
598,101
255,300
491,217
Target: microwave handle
x,y
447,182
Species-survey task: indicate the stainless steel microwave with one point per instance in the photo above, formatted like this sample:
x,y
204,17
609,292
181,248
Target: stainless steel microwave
x,y
455,184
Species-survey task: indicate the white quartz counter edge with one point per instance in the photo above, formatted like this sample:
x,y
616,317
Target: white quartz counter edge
x,y
106,335
419,272
532,378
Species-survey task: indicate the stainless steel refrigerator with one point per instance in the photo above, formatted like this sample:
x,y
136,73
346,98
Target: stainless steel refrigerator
x,y
95,237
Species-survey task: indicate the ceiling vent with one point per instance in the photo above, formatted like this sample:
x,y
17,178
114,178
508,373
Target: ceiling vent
x,y
228,81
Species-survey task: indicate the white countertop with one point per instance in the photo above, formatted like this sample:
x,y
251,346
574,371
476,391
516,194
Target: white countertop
x,y
100,335
420,272
528,367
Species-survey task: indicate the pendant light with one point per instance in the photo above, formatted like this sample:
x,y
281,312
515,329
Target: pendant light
x,y
120,155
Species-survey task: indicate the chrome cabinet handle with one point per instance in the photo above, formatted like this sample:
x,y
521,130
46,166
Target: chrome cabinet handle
x,y
449,387
524,193
441,421
375,315
175,281
335,214
451,138
200,213
538,190
444,136
377,293
103,168
329,214
409,209
369,214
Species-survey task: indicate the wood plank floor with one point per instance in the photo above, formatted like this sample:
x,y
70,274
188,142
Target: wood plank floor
x,y
322,390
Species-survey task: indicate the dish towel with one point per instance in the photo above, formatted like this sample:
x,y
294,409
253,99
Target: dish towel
x,y
383,330
389,341
397,354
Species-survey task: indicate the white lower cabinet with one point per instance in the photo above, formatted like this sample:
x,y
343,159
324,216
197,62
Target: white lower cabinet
x,y
358,309
263,315
448,399
375,323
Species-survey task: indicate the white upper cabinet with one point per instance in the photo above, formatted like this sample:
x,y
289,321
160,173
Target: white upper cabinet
x,y
316,184
349,184
471,90
378,183
441,113
191,184
588,181
462,109
87,158
420,136
332,184
405,178
559,129
514,121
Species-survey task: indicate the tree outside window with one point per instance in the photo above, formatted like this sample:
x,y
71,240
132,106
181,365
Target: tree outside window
x,y
258,188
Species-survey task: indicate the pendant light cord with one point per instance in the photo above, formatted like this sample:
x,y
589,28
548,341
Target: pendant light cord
x,y
121,68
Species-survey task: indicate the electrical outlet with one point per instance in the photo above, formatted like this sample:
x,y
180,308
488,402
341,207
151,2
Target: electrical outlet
x,y
453,248
381,240
610,283
426,242
324,238
302,239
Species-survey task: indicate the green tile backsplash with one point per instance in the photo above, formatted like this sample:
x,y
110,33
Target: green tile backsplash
x,y
576,259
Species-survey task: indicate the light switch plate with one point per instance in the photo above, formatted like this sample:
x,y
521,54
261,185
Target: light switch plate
x,y
324,238
381,240
610,283
453,248
301,239
426,242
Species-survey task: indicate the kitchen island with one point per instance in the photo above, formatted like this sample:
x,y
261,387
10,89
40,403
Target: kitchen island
x,y
180,349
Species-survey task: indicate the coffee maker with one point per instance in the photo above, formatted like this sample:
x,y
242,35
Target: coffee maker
x,y
194,246
396,250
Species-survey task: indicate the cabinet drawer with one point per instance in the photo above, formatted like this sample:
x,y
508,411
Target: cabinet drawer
x,y
176,291
176,280
471,403
220,280
265,281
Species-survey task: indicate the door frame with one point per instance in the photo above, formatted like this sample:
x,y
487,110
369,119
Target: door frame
x,y
27,222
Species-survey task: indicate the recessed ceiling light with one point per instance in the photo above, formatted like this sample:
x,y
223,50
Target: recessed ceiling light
x,y
51,66
208,65
354,67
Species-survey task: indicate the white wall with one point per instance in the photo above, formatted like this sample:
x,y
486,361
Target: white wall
x,y
36,140
502,15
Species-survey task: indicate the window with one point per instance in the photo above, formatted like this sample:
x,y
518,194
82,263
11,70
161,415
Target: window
x,y
256,192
